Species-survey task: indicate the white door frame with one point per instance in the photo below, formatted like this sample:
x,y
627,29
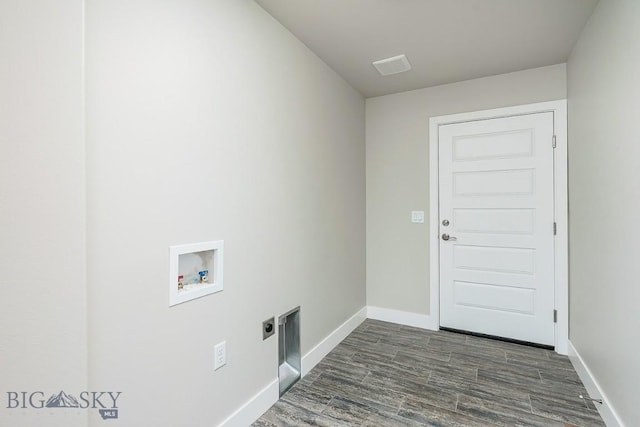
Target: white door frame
x,y
561,258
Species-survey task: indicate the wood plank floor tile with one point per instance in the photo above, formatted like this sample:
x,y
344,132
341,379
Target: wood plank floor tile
x,y
347,370
285,414
313,399
567,376
497,359
428,353
557,390
353,412
495,413
506,397
388,366
435,416
430,396
357,392
557,410
420,391
411,359
381,328
510,377
519,359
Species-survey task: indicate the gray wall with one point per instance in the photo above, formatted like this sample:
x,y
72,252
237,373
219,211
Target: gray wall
x,y
398,174
604,200
207,120
42,206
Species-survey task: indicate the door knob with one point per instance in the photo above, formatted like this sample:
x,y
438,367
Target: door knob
x,y
445,236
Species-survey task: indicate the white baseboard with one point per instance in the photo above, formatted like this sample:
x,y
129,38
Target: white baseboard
x,y
265,398
402,317
255,407
608,414
317,353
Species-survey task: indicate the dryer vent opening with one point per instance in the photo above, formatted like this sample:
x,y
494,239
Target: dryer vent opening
x,y
289,349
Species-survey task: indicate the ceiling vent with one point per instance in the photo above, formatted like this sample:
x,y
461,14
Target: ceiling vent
x,y
394,65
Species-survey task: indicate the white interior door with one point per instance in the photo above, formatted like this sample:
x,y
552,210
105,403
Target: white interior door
x,y
496,210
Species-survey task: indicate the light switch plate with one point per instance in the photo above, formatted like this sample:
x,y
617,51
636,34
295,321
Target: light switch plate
x,y
417,217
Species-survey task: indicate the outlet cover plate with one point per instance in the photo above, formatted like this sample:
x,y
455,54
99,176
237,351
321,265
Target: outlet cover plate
x,y
220,355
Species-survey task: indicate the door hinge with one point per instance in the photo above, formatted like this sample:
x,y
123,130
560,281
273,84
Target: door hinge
x,y
555,316
555,228
553,142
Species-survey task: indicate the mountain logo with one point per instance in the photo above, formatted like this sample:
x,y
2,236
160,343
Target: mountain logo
x,y
106,402
62,400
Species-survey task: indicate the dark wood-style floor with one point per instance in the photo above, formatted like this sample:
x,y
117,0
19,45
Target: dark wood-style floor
x,y
385,374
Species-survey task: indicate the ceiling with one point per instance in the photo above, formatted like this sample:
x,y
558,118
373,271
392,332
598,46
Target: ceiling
x,y
445,40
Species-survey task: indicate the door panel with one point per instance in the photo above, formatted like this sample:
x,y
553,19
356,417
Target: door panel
x,y
494,259
494,221
494,183
497,145
502,298
496,191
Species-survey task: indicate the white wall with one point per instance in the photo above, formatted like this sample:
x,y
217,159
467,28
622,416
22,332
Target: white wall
x,y
397,134
604,192
42,207
207,120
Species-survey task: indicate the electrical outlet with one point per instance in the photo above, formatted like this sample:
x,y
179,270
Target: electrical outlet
x,y
220,355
